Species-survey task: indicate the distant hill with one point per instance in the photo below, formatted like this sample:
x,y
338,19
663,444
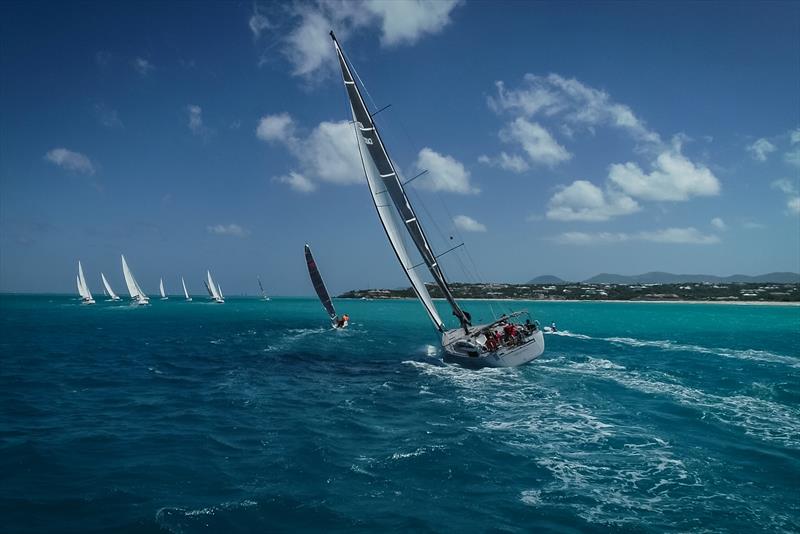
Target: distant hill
x,y
669,278
548,279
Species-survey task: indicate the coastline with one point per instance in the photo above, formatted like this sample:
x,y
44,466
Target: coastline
x,y
586,301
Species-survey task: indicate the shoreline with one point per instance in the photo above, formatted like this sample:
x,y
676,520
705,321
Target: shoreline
x,y
587,301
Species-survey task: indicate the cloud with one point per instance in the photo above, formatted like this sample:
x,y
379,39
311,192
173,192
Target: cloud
x,y
790,189
308,47
195,124
444,173
278,127
107,117
297,181
673,178
575,103
537,142
753,225
257,22
513,163
72,161
468,224
792,157
143,66
718,223
760,149
584,201
231,229
688,236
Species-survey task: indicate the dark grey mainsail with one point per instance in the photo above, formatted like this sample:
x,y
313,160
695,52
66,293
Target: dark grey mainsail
x,y
319,285
393,185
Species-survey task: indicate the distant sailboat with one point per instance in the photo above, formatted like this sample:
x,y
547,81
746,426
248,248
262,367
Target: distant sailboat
x,y
137,295
107,288
185,293
213,291
502,343
261,287
161,289
83,289
322,291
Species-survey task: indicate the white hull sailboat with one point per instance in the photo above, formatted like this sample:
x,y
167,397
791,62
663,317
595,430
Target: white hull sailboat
x,y
213,290
161,289
83,289
135,291
503,343
322,291
110,292
185,293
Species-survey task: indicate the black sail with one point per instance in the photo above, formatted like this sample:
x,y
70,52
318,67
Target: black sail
x,y
319,285
391,181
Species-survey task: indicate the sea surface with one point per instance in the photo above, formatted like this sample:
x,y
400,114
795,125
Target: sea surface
x,y
255,416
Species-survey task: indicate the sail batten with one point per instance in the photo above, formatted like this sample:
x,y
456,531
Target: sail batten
x,y
319,285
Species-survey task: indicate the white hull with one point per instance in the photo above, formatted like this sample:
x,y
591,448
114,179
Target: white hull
x,y
88,301
457,349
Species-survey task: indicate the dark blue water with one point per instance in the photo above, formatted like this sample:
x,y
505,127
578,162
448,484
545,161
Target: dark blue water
x,y
254,416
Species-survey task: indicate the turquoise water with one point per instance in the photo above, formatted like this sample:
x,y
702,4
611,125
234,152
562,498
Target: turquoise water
x,y
255,416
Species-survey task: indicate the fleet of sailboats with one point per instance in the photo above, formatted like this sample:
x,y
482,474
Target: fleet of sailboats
x,y
506,342
468,345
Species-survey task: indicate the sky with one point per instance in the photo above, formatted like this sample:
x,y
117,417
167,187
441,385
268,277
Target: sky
x,y
559,138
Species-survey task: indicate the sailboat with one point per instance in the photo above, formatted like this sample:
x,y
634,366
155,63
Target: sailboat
x,y
322,291
503,343
107,288
161,289
213,290
261,287
83,289
135,291
185,293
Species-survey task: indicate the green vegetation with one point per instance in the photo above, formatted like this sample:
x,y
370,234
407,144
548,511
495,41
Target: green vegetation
x,y
735,292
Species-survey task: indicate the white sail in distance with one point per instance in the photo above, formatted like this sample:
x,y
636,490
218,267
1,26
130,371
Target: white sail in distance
x,y
161,289
110,291
134,290
83,289
185,293
212,288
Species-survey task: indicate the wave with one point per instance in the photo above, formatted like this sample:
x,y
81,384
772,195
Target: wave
x,y
667,345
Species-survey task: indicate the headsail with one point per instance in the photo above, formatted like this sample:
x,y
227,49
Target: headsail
x,y
161,288
213,289
108,288
133,286
386,188
185,293
319,285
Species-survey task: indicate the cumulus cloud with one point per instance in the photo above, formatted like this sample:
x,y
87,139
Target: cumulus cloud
x,y
297,181
195,124
790,189
257,22
513,163
760,149
308,47
673,177
444,173
578,105
468,224
584,201
143,66
718,223
231,229
72,161
535,141
107,117
689,236
278,127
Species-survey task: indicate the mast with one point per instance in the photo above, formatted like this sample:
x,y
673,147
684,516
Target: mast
x,y
394,187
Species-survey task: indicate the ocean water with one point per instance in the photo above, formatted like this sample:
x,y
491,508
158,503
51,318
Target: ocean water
x,y
255,416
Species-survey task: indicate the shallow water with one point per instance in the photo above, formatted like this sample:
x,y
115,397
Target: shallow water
x,y
254,416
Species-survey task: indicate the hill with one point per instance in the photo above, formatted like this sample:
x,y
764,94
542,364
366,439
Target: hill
x,y
658,277
548,279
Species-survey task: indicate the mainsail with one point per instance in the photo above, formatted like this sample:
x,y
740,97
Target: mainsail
x,y
108,288
263,294
213,290
319,285
387,189
185,293
134,290
161,288
83,289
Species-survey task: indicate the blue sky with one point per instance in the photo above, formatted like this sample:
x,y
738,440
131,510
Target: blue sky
x,y
561,138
